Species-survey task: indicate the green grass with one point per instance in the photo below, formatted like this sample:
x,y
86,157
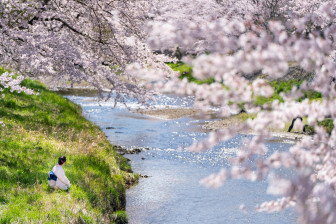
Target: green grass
x,y
278,86
186,72
284,87
327,124
38,130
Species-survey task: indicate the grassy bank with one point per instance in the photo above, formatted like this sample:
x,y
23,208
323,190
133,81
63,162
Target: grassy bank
x,y
279,86
186,72
38,130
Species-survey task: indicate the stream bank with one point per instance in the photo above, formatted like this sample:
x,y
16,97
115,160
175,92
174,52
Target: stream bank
x,y
40,128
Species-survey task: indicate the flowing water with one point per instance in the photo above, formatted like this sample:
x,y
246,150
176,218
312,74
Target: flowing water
x,y
172,193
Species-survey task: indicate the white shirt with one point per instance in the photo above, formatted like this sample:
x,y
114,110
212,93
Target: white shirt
x,y
62,181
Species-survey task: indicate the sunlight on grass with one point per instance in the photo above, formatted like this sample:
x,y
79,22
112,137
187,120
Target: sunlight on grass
x,y
38,130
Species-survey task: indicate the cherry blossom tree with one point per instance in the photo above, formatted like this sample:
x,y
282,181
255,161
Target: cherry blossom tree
x,y
265,38
76,41
101,41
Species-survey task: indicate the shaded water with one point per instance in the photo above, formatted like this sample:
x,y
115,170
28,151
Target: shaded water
x,y
172,193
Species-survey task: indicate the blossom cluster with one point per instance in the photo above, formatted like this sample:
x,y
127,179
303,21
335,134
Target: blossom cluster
x,y
12,82
262,42
76,41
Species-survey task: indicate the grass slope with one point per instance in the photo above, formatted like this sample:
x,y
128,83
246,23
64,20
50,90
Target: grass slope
x,y
38,130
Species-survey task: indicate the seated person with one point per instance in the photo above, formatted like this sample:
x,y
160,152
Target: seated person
x,y
57,178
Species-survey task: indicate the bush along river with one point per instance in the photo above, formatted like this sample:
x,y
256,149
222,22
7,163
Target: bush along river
x,y
169,191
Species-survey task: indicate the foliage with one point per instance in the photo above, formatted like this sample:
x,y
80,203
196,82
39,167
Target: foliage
x,y
39,129
186,72
120,217
285,87
328,124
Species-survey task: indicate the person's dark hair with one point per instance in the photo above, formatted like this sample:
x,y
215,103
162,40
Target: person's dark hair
x,y
61,160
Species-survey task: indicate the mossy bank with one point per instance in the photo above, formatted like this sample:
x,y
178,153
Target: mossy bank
x,y
40,128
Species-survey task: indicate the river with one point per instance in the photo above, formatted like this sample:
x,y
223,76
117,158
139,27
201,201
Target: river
x,y
172,193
